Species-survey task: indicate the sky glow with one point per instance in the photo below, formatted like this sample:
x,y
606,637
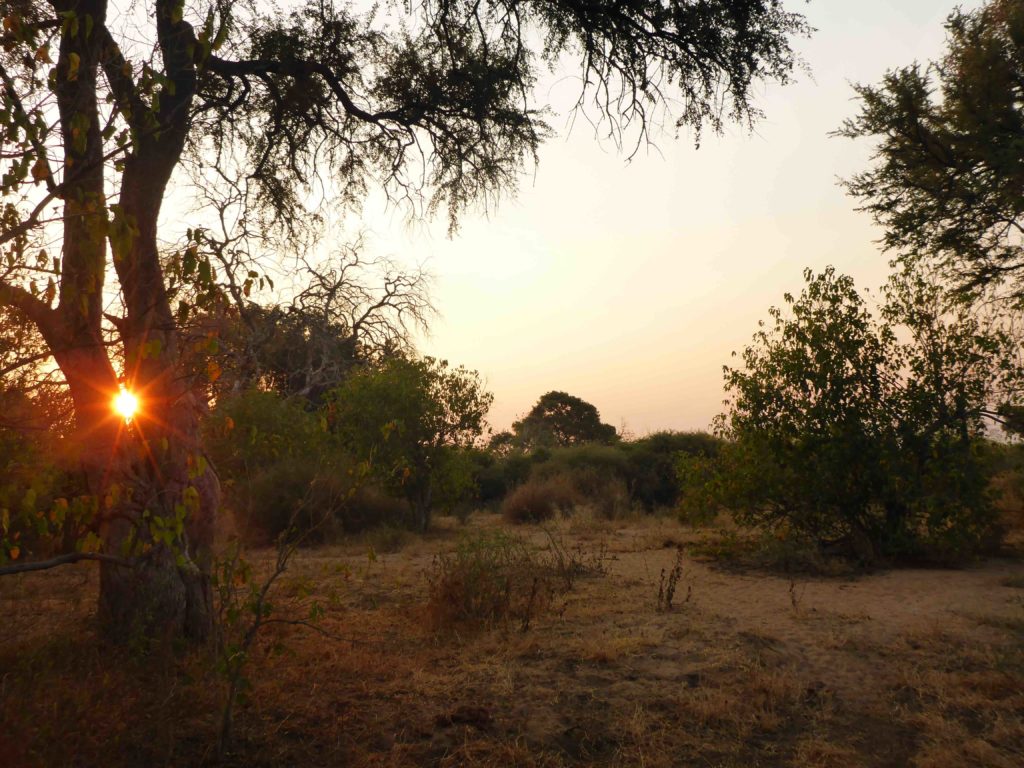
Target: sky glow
x,y
630,284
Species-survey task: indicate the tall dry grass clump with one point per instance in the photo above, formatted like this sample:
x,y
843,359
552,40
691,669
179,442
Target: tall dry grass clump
x,y
489,579
495,578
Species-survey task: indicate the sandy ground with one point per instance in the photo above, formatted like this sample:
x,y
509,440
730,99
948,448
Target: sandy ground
x,y
904,667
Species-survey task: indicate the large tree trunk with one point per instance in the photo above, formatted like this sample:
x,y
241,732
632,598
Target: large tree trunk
x,y
174,493
155,496
168,522
157,502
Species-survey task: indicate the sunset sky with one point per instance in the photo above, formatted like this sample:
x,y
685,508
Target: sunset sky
x,y
629,284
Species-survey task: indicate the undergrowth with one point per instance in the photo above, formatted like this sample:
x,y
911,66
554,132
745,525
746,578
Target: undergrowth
x,y
779,552
499,579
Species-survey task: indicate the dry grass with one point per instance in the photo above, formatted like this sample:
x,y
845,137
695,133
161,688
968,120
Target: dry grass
x,y
906,668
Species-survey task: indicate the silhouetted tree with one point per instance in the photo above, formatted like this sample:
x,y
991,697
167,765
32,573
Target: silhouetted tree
x,y
559,418
352,312
946,175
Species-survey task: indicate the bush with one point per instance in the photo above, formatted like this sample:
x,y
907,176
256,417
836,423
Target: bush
x,y
44,508
599,475
416,419
493,578
611,478
606,495
783,551
497,479
653,479
488,578
492,484
1006,465
387,539
372,507
539,500
278,466
604,460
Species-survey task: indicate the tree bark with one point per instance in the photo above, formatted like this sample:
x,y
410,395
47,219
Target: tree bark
x,y
157,500
422,503
166,518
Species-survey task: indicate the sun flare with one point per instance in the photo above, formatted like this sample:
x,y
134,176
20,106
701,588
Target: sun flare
x,y
126,404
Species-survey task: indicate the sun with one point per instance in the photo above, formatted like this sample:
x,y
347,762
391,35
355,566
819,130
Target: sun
x,y
126,404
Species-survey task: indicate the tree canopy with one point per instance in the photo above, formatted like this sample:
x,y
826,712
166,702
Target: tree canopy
x,y
945,180
559,418
862,430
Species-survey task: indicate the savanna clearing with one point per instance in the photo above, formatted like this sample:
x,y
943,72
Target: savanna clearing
x,y
738,667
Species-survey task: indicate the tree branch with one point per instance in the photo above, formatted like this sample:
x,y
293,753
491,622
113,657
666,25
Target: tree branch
x,y
35,310
72,557
264,67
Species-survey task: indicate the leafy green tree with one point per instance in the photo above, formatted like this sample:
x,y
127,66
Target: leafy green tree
x,y
561,419
264,115
945,182
410,419
860,430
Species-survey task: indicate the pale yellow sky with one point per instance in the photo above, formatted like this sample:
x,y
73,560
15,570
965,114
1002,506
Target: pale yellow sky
x,y
629,284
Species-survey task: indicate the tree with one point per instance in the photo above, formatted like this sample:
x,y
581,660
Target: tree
x,y
864,431
946,176
107,107
410,419
353,311
559,418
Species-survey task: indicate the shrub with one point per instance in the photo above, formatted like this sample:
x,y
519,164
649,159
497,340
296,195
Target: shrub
x,y
388,539
415,419
1006,465
492,484
489,578
539,500
611,478
653,478
371,507
606,495
601,459
44,508
599,475
494,578
782,551
278,466
497,479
